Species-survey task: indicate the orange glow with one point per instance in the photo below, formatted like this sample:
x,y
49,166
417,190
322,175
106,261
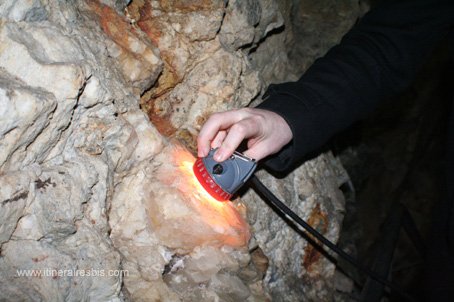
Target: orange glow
x,y
199,191
222,218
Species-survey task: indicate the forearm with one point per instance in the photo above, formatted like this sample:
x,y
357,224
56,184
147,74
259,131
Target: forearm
x,y
377,58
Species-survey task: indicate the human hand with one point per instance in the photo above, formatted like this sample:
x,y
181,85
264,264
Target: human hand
x,y
267,132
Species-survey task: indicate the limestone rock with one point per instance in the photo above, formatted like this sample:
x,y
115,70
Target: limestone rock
x,y
296,267
23,10
97,197
240,19
200,76
173,235
247,22
138,57
322,24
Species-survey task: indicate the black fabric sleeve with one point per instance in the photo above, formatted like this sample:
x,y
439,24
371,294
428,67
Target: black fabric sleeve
x,y
377,58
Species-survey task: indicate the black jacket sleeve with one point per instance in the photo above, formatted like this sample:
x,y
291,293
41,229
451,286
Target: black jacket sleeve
x,y
377,58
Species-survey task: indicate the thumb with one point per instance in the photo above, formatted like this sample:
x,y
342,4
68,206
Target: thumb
x,y
259,151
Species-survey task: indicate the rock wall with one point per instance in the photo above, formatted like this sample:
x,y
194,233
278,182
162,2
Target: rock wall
x,y
100,102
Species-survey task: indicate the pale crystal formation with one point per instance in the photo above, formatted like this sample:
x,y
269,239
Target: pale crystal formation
x,y
97,197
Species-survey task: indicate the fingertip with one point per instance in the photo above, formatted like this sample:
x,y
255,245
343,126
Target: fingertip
x,y
220,155
255,154
202,146
202,151
249,155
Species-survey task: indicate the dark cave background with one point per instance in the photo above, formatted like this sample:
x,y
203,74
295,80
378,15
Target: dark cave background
x,y
397,155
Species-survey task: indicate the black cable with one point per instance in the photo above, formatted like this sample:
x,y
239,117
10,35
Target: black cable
x,y
261,188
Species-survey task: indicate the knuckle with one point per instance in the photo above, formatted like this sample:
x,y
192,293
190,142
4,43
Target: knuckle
x,y
228,147
258,119
244,110
239,114
239,129
203,135
215,116
248,112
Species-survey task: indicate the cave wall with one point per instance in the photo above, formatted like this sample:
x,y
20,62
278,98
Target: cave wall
x,y
101,102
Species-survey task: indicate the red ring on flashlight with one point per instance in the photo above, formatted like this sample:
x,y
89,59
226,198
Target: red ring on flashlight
x,y
208,183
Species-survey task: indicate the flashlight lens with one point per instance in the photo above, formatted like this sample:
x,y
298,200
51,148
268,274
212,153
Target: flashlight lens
x,y
218,169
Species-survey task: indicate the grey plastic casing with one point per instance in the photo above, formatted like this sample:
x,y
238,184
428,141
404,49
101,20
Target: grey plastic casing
x,y
235,170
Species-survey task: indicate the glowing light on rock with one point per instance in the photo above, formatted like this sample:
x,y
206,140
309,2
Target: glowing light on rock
x,y
189,216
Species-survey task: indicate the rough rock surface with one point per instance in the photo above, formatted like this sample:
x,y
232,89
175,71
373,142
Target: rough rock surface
x,y
95,200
